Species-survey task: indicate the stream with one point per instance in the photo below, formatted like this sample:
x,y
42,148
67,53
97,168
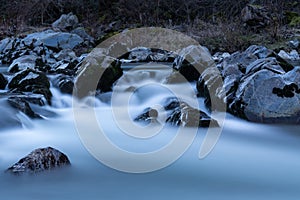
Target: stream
x,y
250,160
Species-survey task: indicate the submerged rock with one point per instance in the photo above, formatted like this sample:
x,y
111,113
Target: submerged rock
x,y
39,160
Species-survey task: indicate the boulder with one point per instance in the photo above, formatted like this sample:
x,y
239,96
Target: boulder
x,y
192,61
98,71
293,57
269,97
64,83
3,82
40,160
66,22
22,63
31,81
53,40
82,33
258,85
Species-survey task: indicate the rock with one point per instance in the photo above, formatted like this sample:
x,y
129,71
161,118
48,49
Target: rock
x,y
192,61
40,160
178,114
82,33
142,54
219,56
6,44
23,62
65,54
54,40
269,97
186,116
294,44
9,116
23,106
3,82
148,115
98,71
293,57
66,22
31,81
246,74
256,16
64,83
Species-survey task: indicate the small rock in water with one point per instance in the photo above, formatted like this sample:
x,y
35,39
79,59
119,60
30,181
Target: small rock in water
x,y
39,160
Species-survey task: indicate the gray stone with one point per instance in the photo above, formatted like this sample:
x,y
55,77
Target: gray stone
x,y
269,97
192,61
66,22
23,62
39,160
55,40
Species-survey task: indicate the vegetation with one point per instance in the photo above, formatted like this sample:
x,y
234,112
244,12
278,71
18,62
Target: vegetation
x,y
215,23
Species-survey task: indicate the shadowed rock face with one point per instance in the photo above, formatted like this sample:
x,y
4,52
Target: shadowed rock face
x,y
40,160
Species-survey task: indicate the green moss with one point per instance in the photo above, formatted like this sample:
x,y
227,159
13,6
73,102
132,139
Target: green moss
x,y
295,22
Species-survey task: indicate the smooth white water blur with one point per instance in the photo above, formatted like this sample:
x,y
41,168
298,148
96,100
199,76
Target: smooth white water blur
x,y
250,161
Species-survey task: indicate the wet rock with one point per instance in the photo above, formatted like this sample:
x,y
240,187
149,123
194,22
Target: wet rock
x,y
269,97
186,116
97,72
66,22
54,40
9,116
142,54
23,106
23,62
192,61
31,81
148,115
3,82
40,160
256,16
64,83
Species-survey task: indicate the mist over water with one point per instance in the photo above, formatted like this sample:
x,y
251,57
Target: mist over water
x,y
250,161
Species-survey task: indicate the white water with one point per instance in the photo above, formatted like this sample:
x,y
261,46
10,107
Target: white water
x,y
250,161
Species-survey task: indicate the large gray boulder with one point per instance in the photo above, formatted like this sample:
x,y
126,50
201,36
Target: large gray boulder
x,y
54,40
269,97
39,160
23,62
258,85
192,61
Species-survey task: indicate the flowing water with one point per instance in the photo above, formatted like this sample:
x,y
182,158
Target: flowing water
x,y
250,161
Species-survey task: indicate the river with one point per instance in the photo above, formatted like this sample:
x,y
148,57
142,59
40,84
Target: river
x,y
250,161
